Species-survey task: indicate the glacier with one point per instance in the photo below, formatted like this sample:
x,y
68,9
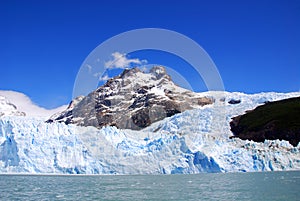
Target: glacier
x,y
194,141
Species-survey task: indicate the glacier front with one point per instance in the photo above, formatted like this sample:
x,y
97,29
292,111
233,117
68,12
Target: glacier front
x,y
190,142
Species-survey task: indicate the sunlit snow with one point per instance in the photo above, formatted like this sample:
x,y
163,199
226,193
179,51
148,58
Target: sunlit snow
x,y
191,142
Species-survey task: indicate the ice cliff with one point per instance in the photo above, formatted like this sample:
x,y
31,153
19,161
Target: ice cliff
x,y
190,142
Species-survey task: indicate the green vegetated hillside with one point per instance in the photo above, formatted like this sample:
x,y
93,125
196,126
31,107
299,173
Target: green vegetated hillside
x,y
273,120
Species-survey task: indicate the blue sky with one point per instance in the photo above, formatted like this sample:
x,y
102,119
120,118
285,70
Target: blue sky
x,y
254,44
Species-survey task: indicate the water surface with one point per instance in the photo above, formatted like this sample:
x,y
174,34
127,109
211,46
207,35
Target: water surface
x,y
224,186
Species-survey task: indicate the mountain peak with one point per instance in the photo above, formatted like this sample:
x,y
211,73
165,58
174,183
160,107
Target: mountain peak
x,y
128,72
155,73
159,72
132,100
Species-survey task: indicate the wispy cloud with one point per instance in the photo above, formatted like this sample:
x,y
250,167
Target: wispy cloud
x,y
101,77
104,78
89,67
118,61
121,61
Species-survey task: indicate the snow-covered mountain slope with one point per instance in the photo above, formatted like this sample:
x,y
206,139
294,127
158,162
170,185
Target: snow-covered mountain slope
x,y
190,142
132,100
24,105
8,109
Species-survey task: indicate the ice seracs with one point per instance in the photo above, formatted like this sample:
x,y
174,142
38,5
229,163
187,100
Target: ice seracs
x,y
189,142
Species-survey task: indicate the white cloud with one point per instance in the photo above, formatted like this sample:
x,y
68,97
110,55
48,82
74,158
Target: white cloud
x,y
97,74
101,77
104,78
89,67
121,61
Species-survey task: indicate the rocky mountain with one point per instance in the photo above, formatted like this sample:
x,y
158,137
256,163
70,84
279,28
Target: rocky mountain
x,y
132,100
193,141
274,120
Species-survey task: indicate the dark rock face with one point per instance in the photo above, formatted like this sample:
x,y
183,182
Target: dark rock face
x,y
233,101
274,120
132,100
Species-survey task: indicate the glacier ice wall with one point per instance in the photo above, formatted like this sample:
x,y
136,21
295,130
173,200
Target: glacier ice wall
x,y
191,142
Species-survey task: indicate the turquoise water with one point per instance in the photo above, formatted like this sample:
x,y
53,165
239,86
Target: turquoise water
x,y
226,186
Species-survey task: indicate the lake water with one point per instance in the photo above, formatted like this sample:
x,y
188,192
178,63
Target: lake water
x,y
225,186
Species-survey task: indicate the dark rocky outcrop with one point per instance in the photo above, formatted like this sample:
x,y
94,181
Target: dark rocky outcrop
x,y
273,120
132,100
233,101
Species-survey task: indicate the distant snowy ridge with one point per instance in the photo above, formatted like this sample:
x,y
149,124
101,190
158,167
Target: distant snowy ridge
x,y
8,109
190,142
24,105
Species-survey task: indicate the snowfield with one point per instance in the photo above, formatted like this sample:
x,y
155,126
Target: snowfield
x,y
23,106
190,142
